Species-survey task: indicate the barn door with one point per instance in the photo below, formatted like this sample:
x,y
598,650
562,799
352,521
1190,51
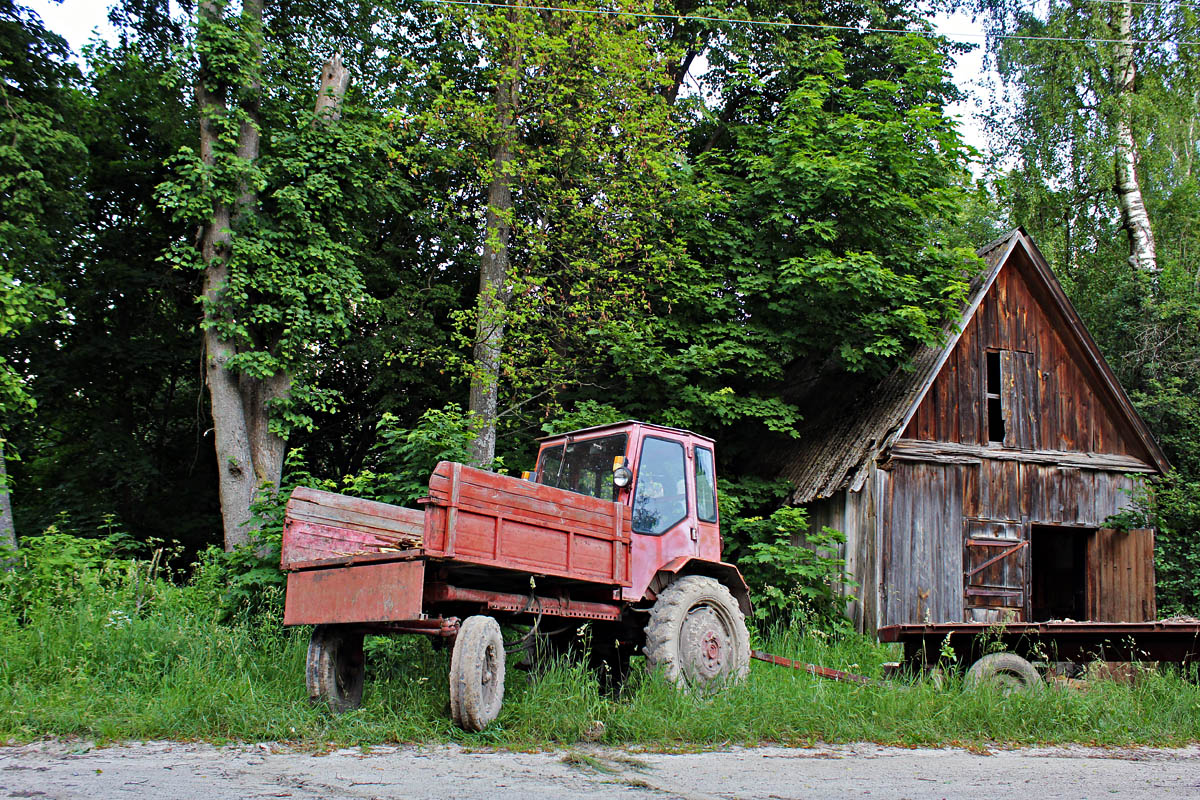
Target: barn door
x,y
995,561
1120,576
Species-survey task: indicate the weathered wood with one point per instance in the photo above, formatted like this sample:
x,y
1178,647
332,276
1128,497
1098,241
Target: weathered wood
x,y
995,574
327,525
1120,576
913,450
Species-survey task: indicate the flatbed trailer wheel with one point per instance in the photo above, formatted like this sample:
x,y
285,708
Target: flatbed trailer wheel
x,y
1006,671
335,667
697,634
477,673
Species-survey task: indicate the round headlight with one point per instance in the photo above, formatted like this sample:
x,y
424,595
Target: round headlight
x,y
622,477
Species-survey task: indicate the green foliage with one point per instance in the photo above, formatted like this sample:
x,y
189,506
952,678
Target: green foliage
x,y
793,572
54,570
41,158
404,458
585,414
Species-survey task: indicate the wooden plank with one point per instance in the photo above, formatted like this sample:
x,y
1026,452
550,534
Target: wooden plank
x,y
969,491
471,476
369,508
914,450
970,387
410,525
1121,576
526,497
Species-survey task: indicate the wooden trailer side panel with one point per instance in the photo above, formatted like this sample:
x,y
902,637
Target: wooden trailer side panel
x,y
324,525
500,521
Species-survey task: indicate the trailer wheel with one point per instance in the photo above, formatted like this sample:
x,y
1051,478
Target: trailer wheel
x,y
697,634
477,673
335,668
1007,672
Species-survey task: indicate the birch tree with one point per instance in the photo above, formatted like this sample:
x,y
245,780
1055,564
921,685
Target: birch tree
x,y
1085,86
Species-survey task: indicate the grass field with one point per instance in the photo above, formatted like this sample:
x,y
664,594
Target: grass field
x,y
106,668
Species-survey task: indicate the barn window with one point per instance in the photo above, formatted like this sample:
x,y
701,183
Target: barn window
x,y
995,413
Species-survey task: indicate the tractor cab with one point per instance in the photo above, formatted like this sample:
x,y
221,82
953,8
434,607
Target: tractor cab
x,y
666,476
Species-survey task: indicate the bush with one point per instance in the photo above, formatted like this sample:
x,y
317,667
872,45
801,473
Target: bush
x,y
793,572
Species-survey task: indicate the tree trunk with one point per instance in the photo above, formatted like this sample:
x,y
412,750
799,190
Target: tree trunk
x,y
494,291
1129,193
235,463
8,532
249,454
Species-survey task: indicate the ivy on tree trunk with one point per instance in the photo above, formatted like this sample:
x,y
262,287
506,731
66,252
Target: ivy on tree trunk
x,y
250,452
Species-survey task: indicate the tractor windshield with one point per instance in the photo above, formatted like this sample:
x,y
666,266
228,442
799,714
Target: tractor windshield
x,y
584,466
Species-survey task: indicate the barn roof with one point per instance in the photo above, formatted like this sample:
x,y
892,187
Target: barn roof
x,y
840,439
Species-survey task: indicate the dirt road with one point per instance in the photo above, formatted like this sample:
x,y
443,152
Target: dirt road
x,y
203,772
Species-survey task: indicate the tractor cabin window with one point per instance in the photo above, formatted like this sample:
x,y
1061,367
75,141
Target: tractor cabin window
x,y
706,486
660,500
583,466
995,412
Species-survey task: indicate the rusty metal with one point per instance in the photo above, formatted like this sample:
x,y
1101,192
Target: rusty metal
x,y
439,627
387,592
443,593
813,669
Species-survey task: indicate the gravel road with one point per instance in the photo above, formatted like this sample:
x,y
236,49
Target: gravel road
x,y
204,772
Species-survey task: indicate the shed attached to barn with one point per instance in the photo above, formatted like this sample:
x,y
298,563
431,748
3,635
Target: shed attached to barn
x,y
974,484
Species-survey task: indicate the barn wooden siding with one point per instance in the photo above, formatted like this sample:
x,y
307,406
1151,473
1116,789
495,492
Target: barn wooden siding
x,y
942,516
930,512
907,535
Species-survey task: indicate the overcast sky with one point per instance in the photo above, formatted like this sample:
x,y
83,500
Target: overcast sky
x,y
78,20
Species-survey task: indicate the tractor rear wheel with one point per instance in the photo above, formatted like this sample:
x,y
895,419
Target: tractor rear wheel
x,y
335,667
697,634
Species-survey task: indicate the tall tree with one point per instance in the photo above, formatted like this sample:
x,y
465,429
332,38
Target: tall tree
x,y
1083,78
562,135
279,274
1134,217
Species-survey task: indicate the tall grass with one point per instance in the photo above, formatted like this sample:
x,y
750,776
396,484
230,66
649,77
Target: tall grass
x,y
138,658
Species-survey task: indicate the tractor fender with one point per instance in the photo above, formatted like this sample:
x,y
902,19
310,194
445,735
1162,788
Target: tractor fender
x,y
727,574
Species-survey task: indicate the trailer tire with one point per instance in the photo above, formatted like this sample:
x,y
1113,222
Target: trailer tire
x,y
335,668
1007,672
697,634
477,673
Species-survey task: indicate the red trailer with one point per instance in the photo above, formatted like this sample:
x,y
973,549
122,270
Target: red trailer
x,y
617,526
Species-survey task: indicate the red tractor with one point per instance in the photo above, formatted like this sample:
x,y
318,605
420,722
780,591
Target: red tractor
x,y
617,527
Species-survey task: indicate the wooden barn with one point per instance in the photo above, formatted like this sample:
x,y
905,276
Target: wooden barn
x,y
974,485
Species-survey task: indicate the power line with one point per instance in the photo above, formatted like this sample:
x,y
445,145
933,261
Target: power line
x,y
807,25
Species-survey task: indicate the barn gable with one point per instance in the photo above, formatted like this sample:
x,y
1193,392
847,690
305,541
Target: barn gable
x,y
941,394
1024,374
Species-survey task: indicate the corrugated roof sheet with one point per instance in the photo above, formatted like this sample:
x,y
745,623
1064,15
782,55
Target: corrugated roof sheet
x,y
839,439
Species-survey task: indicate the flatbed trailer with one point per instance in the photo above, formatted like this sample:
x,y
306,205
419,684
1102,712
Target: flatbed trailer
x,y
997,649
